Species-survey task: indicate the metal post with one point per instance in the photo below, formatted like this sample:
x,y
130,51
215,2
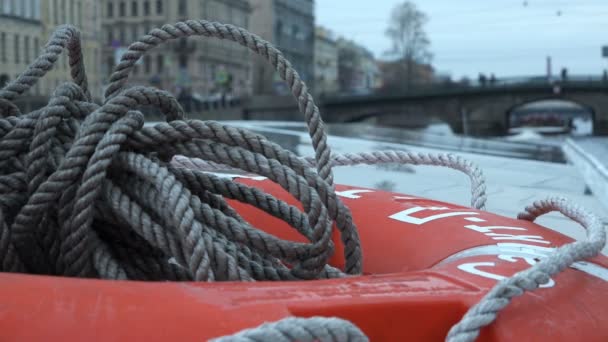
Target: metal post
x,y
549,76
465,123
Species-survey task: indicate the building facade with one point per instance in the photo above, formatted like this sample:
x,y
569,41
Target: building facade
x,y
289,25
26,26
20,39
199,66
86,16
357,68
325,62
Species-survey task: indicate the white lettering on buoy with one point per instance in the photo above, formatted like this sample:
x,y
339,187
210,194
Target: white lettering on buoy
x,y
527,238
488,229
404,216
522,248
471,268
505,251
352,193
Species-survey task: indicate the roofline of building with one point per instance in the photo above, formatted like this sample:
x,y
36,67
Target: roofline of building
x,y
242,4
22,19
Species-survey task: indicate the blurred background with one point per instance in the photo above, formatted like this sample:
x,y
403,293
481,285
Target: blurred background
x,y
481,68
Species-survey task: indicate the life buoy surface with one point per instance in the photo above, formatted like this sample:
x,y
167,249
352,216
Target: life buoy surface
x,y
425,263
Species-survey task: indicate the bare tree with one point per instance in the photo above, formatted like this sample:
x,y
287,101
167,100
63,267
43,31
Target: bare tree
x,y
410,41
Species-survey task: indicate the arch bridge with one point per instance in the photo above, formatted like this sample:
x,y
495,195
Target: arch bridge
x,y
482,110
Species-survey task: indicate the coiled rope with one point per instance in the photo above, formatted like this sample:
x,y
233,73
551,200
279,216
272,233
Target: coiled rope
x,y
88,191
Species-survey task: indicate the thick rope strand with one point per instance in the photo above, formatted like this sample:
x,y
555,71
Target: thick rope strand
x,y
486,310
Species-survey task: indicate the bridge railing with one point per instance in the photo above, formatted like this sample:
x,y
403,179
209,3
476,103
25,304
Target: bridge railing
x,y
518,80
498,85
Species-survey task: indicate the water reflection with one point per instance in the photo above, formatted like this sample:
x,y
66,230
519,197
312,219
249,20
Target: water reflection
x,y
386,185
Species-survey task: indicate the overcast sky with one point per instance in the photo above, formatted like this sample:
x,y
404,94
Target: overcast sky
x,y
503,37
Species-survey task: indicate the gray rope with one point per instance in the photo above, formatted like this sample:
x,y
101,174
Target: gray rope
x,y
65,37
478,183
254,43
486,310
300,329
86,190
89,196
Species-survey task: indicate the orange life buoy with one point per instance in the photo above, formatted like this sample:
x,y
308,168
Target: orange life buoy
x,y
425,263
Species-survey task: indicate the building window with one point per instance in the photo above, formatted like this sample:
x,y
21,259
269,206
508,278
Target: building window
x,y
36,9
146,7
122,9
110,64
79,13
279,29
6,7
201,65
122,37
26,48
110,35
110,9
28,8
160,63
183,61
36,47
134,8
134,33
159,7
72,15
3,47
16,49
56,12
64,12
295,31
147,62
182,7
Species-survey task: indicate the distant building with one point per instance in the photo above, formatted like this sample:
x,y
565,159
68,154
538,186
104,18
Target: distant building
x,y
199,66
288,24
325,62
371,72
26,26
357,68
86,16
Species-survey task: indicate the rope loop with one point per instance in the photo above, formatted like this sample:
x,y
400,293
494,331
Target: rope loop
x,y
65,37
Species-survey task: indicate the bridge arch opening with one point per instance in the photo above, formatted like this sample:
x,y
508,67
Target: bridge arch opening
x,y
551,116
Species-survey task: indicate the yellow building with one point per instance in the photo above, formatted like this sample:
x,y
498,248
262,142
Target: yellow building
x,y
20,32
86,15
202,67
25,27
